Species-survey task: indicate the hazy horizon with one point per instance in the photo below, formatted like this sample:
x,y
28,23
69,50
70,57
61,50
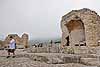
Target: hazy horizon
x,y
39,18
2,37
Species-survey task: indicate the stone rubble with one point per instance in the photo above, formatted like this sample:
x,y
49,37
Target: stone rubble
x,y
24,59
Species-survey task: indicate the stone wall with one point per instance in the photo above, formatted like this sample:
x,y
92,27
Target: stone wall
x,y
90,29
44,49
23,40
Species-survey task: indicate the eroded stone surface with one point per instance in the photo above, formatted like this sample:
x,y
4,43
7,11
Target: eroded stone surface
x,y
80,26
24,59
19,40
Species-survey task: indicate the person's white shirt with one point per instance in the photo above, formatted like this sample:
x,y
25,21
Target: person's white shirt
x,y
12,44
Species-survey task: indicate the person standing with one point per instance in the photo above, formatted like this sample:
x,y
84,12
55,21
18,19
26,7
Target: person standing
x,y
11,47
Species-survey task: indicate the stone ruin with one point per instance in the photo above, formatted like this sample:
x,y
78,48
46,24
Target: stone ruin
x,y
80,28
23,40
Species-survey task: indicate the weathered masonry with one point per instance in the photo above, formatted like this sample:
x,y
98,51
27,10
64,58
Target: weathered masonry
x,y
80,28
23,40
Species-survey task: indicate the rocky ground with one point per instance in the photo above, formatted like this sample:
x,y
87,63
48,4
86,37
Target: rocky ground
x,y
24,59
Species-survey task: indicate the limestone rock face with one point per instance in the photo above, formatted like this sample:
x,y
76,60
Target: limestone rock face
x,y
19,40
80,27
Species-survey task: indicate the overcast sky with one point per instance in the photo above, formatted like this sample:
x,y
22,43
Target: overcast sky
x,y
39,18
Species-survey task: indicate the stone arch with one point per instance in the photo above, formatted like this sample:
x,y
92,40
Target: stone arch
x,y
75,27
91,22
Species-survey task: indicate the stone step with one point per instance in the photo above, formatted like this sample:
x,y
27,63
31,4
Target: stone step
x,y
90,61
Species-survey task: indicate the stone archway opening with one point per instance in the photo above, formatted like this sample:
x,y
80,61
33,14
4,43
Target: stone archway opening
x,y
76,31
